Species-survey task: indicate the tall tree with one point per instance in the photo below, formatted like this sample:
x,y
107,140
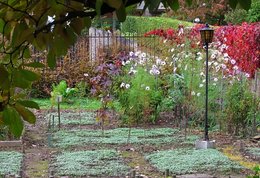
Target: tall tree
x,y
51,25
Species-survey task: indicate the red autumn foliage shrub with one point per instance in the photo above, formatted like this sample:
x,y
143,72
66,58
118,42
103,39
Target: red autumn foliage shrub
x,y
241,43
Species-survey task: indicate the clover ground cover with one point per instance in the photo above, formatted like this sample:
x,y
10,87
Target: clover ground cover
x,y
73,118
10,162
66,138
182,161
92,163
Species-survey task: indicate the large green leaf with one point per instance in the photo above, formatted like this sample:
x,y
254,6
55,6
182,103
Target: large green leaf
x,y
29,104
77,25
233,3
12,118
19,80
87,22
114,3
34,65
121,13
245,4
29,75
4,77
174,4
18,29
51,59
99,4
2,23
153,5
25,113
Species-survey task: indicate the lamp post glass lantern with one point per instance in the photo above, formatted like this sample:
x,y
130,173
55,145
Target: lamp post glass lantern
x,y
206,38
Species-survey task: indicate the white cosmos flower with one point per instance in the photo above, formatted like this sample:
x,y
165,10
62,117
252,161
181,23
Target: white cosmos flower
x,y
143,55
199,53
197,20
217,68
157,72
158,61
123,63
235,67
127,62
201,85
215,79
226,55
193,93
182,45
164,41
163,63
122,85
141,62
247,75
147,88
127,86
172,49
213,56
233,61
226,59
215,63
198,94
131,53
204,80
223,66
199,58
85,75
137,53
202,74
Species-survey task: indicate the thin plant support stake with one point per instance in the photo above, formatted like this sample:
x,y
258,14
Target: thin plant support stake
x,y
255,110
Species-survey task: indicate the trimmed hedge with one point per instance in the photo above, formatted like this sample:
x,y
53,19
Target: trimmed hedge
x,y
136,24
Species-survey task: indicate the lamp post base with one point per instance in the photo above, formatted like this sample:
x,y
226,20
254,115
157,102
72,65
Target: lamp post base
x,y
202,144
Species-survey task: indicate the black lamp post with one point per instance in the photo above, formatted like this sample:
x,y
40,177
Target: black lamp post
x,y
206,38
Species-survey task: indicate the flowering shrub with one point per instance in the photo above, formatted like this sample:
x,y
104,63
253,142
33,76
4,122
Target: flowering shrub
x,y
238,44
241,46
234,53
138,88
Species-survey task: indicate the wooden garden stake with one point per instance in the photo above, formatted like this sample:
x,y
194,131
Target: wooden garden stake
x,y
53,122
167,173
59,99
51,174
133,174
254,120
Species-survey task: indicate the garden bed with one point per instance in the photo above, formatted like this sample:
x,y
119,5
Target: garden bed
x,y
253,152
10,162
182,161
72,118
91,163
155,136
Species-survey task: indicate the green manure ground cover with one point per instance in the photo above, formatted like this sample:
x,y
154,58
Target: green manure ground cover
x,y
92,163
64,138
254,151
69,118
10,162
182,161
